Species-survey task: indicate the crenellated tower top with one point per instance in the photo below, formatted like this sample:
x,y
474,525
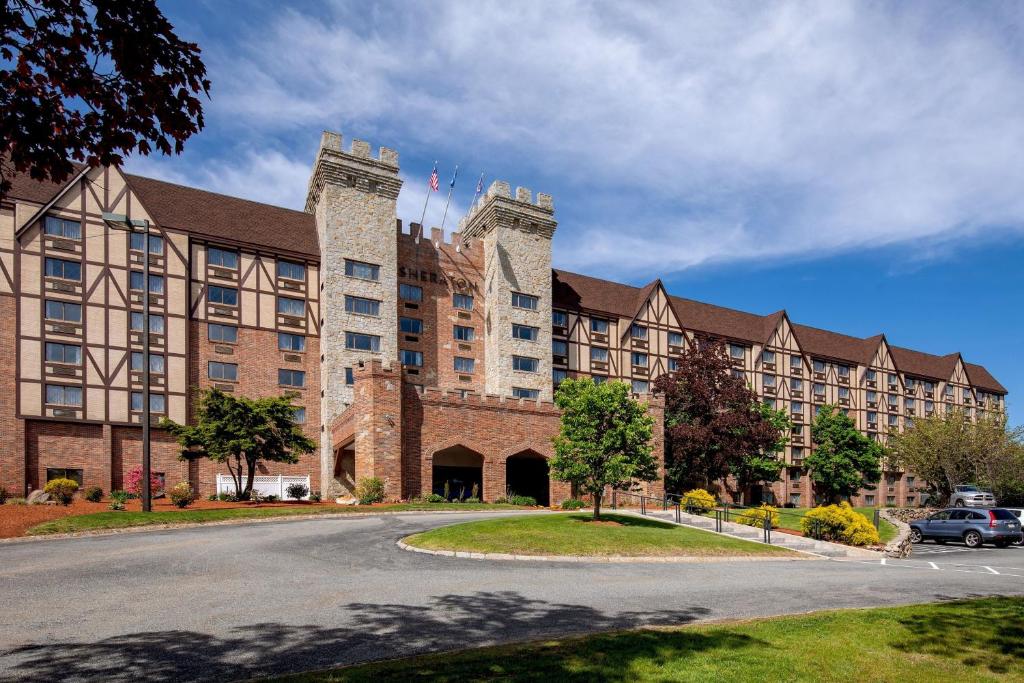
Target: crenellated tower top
x,y
356,168
499,208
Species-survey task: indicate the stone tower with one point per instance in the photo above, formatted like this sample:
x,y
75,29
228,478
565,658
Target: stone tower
x,y
516,235
353,196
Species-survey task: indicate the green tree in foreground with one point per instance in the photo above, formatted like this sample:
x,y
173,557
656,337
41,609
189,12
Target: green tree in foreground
x,y
604,440
950,449
241,432
843,460
765,466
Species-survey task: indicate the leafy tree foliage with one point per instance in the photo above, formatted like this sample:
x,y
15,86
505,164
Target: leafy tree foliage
x,y
92,80
714,424
765,466
604,440
950,449
843,460
241,432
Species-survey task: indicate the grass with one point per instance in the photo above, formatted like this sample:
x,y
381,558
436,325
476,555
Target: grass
x,y
976,640
577,534
789,518
125,519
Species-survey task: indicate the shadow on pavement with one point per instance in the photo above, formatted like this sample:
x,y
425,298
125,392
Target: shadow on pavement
x,y
372,631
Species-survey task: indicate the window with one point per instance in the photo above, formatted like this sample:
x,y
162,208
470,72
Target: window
x,y
870,375
558,376
639,386
796,384
61,227
559,347
221,333
526,301
598,354
909,403
411,325
222,258
291,342
769,401
869,499
817,411
228,296
819,366
599,326
872,417
798,451
156,282
287,377
525,364
157,402
299,415
559,319
291,271
911,383
410,292
362,342
523,392
462,301
361,306
599,379
796,407
892,400
350,377
639,359
819,389
844,370
156,323
363,271
637,331
673,364
66,270
675,339
294,307
223,371
61,395
795,473
61,473
767,356
413,358
844,392
910,481
525,332
63,353
796,362
893,420
768,380
967,394
156,243
156,362
738,374
794,500
463,333
872,396
929,386
949,390
929,407
893,379
62,310
464,364
737,351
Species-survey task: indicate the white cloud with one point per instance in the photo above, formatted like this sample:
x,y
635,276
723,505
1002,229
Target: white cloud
x,y
670,134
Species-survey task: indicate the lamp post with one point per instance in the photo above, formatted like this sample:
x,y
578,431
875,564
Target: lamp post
x,y
120,221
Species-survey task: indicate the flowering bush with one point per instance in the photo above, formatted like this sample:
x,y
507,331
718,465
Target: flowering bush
x,y
133,482
698,501
839,523
61,490
755,516
182,495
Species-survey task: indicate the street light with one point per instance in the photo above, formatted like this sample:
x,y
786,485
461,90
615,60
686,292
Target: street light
x,y
119,221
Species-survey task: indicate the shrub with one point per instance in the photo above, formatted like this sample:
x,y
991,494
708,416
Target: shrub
x,y
93,494
370,490
573,504
472,499
297,491
133,482
4,495
840,523
756,516
698,501
16,501
314,497
256,496
525,501
182,495
227,498
61,490
271,498
436,498
119,496
116,505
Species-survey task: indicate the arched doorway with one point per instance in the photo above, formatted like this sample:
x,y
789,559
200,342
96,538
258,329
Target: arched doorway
x,y
462,469
526,474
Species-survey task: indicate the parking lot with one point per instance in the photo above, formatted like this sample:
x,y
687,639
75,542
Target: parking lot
x,y
929,556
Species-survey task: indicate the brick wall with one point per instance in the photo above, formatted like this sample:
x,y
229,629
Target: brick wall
x,y
12,430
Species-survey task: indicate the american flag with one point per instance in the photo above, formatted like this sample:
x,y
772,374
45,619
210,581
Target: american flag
x,y
433,180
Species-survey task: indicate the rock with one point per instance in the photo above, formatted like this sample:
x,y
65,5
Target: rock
x,y
38,497
346,501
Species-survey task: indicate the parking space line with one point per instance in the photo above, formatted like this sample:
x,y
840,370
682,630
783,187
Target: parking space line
x,y
992,570
934,566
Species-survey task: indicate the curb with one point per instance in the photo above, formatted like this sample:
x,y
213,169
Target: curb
x,y
253,520
607,559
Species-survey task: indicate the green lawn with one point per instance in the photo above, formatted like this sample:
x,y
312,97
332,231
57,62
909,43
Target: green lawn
x,y
578,534
125,519
976,640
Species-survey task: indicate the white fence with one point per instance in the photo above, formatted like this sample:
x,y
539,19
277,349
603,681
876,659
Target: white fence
x,y
265,484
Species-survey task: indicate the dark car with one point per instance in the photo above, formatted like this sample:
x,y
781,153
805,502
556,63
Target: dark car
x,y
974,527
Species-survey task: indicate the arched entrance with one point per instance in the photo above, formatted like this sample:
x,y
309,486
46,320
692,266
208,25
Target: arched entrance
x,y
526,474
462,469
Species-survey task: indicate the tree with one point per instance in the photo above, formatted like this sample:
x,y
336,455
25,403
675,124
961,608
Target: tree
x,y
843,460
713,421
604,439
92,80
765,466
950,449
241,431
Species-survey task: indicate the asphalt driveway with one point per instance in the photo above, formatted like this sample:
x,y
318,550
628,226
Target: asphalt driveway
x,y
235,602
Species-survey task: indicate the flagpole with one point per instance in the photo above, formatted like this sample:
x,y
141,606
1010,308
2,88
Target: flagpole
x,y
424,214
451,186
476,198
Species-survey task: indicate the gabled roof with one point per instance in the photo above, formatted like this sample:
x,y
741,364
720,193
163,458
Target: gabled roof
x,y
924,364
575,291
983,379
817,342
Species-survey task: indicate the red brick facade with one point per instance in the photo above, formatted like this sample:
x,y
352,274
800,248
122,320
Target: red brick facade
x,y
12,430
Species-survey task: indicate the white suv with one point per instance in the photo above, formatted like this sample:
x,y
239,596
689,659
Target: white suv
x,y
968,495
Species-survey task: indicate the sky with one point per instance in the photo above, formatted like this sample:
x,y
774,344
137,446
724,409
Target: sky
x,y
855,163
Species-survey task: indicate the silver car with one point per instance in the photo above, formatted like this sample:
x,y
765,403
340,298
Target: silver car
x,y
1019,514
971,496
